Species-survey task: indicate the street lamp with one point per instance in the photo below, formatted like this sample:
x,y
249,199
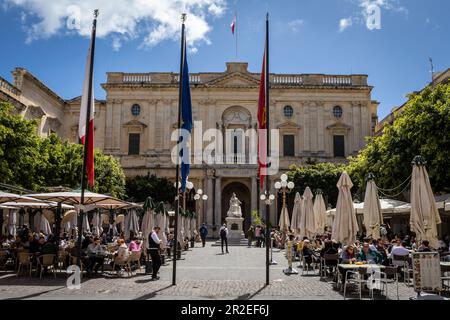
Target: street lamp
x,y
189,187
268,200
200,196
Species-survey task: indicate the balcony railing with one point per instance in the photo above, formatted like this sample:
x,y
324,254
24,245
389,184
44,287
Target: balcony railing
x,y
9,88
192,79
287,80
337,80
137,78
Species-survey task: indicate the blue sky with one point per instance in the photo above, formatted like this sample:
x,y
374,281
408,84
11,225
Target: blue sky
x,y
321,36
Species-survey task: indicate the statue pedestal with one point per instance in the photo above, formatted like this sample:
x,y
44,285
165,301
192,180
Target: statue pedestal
x,y
235,228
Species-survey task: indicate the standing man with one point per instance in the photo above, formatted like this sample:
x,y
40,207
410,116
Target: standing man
x,y
154,246
203,234
224,236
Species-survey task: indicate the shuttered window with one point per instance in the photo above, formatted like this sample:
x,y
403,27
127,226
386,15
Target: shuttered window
x,y
289,145
134,144
339,146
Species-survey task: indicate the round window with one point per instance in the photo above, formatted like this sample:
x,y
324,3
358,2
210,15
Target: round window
x,y
288,112
337,112
136,110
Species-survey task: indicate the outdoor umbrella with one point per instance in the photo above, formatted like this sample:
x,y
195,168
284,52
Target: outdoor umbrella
x,y
11,197
74,198
373,217
86,227
147,226
180,229
296,212
68,216
424,214
12,223
96,224
345,225
131,223
320,212
45,227
284,222
187,226
307,222
160,221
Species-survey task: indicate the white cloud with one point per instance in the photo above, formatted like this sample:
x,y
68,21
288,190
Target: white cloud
x,y
345,23
295,25
154,20
366,9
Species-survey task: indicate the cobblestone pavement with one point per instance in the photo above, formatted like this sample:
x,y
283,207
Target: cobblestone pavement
x,y
204,273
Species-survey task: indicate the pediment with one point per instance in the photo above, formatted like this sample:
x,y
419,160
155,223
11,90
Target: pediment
x,y
236,79
339,126
135,123
288,125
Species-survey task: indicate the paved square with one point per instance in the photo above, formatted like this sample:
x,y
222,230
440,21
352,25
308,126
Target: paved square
x,y
204,273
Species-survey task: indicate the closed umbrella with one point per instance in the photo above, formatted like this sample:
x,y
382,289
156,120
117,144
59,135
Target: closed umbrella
x,y
373,217
12,223
284,222
160,221
97,224
307,221
37,222
45,227
424,214
180,229
296,212
131,223
320,212
86,227
345,225
147,226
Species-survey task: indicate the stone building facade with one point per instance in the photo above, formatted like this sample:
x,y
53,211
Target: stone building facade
x,y
318,117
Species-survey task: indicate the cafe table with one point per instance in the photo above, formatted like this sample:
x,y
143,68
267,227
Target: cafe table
x,y
344,267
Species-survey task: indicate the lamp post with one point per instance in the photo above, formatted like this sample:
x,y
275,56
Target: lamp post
x,y
268,200
284,187
200,196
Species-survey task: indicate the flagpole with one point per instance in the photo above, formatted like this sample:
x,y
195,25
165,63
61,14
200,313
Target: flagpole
x,y
236,29
177,197
267,86
87,135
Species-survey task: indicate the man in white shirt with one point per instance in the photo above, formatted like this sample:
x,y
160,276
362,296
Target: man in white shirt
x,y
399,250
224,236
154,246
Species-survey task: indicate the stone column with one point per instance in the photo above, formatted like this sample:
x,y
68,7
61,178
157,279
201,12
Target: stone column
x,y
218,204
209,204
254,194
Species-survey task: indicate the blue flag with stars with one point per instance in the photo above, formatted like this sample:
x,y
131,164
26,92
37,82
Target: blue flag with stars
x,y
186,118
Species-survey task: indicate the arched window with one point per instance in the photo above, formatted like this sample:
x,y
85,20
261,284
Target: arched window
x,y
337,112
136,110
288,111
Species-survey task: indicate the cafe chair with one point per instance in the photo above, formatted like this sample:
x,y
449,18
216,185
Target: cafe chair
x,y
46,261
62,260
123,264
328,261
407,270
357,278
135,258
25,260
305,267
389,276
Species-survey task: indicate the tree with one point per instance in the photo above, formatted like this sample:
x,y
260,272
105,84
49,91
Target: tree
x,y
141,187
422,129
32,162
322,176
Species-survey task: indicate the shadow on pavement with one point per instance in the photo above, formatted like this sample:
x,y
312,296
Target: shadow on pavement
x,y
249,296
151,295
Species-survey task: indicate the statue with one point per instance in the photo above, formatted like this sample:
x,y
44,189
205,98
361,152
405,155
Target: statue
x,y
235,207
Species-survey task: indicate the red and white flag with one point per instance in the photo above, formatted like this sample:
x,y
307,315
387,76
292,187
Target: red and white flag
x,y
233,25
82,124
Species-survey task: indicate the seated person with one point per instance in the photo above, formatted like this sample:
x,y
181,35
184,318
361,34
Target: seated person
x,y
37,244
348,255
135,245
122,252
382,250
425,247
368,255
50,247
96,256
399,250
309,254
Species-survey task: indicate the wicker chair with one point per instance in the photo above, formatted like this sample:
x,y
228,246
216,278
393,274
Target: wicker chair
x,y
135,257
24,260
123,264
46,261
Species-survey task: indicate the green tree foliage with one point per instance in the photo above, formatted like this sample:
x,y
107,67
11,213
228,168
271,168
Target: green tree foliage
x,y
34,163
422,129
141,187
322,176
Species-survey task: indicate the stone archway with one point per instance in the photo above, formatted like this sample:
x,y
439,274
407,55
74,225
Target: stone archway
x,y
244,195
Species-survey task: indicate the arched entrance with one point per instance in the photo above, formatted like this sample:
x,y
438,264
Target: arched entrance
x,y
244,195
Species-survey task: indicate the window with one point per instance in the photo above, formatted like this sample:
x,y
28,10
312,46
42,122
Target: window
x,y
288,112
134,144
337,112
289,146
136,110
339,146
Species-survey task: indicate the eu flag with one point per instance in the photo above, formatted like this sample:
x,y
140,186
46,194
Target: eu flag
x,y
186,115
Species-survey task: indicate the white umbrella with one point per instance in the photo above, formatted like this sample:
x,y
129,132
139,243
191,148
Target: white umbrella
x,y
424,214
12,222
147,226
96,224
37,222
284,222
131,223
86,227
45,227
187,227
296,213
161,223
345,225
320,213
387,206
307,221
74,198
11,197
180,229
373,218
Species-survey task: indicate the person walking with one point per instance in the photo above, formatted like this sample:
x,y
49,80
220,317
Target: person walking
x,y
250,235
154,245
203,234
224,237
258,236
